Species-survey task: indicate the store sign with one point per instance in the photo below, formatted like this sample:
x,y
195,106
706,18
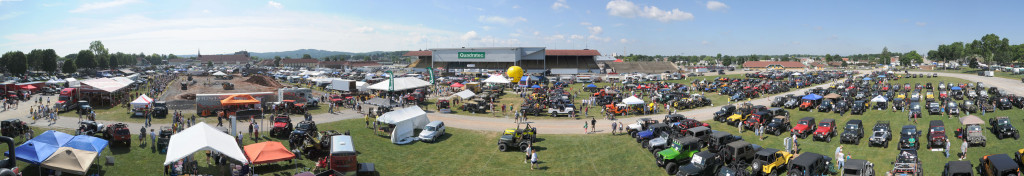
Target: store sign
x,y
471,55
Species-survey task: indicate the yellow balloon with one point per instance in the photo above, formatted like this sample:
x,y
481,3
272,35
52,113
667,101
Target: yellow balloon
x,y
515,72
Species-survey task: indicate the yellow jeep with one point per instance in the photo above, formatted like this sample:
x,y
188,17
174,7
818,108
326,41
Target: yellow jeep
x,y
769,161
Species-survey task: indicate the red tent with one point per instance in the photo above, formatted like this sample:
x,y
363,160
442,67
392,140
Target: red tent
x,y
28,87
267,152
457,85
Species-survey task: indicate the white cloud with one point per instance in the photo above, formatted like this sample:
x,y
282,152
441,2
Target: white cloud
x,y
585,23
501,20
257,32
469,35
704,42
717,6
575,37
101,5
364,29
560,4
795,42
920,23
536,32
623,40
818,28
556,37
515,6
206,10
514,34
276,5
486,28
598,38
625,8
594,30
10,15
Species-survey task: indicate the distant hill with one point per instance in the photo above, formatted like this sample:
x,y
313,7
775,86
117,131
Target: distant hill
x,y
315,53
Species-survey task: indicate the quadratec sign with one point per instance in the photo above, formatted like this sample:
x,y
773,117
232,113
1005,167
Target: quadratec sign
x,y
471,55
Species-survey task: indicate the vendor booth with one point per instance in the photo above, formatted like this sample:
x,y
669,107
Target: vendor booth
x,y
405,121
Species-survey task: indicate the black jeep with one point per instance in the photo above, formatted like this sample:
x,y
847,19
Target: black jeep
x,y
852,133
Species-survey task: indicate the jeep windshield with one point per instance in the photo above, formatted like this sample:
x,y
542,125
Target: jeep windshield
x,y
823,124
938,129
804,122
304,127
974,128
1001,122
909,131
281,119
852,127
879,134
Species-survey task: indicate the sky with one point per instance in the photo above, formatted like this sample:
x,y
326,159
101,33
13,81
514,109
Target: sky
x,y
686,27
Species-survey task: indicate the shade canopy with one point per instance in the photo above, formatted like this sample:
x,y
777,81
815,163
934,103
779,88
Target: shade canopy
x,y
87,143
403,83
142,101
535,86
55,138
832,95
33,152
70,160
457,85
202,137
406,120
267,152
107,85
381,102
879,99
239,99
219,73
955,88
498,79
633,100
971,119
812,97
591,85
28,87
465,94
867,78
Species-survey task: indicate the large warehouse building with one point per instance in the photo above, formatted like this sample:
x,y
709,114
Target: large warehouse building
x,y
485,59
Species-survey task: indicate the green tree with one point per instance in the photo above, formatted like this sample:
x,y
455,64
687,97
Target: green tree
x,y
885,56
306,56
49,60
102,63
34,59
69,67
727,61
85,59
277,61
209,63
15,62
844,63
101,54
113,63
910,58
366,58
828,57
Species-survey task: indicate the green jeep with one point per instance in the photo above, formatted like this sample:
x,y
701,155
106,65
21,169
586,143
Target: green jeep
x,y
680,153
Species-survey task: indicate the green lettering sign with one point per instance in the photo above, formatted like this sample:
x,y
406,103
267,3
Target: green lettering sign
x,y
471,55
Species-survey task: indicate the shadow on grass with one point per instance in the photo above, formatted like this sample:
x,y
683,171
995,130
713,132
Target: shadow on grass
x,y
121,150
441,138
537,139
282,167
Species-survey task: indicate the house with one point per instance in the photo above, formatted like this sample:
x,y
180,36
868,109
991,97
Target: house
x,y
299,62
178,62
266,62
333,64
238,59
774,65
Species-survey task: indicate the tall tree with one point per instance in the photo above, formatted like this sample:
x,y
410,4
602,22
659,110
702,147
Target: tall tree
x,y
49,61
100,52
85,59
909,58
15,62
34,59
306,56
113,62
885,56
69,67
277,61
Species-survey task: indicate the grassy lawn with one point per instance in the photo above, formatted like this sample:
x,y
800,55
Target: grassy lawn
x,y
460,152
974,71
933,161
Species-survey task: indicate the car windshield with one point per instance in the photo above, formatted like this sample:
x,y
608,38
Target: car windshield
x,y
974,128
1003,122
282,119
724,109
851,172
803,122
909,131
303,126
938,129
429,128
64,98
852,127
879,134
823,124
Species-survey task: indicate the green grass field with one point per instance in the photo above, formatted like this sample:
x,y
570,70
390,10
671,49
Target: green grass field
x,y
974,71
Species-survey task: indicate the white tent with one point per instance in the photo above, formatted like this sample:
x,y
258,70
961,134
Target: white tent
x,y
56,81
878,99
342,85
362,86
465,94
633,100
498,79
404,83
219,73
202,137
142,102
405,120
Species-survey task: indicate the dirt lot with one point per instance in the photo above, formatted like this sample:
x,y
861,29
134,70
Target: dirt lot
x,y
211,85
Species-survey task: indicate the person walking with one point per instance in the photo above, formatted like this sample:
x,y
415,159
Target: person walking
x,y
963,150
585,127
529,149
796,146
614,127
256,130
946,150
533,159
142,135
622,128
152,137
593,125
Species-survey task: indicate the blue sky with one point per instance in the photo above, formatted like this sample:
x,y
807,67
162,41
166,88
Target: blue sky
x,y
686,27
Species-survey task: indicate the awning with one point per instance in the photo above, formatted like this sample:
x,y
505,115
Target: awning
x,y
239,99
267,152
142,102
633,100
202,137
105,84
70,160
33,152
592,86
498,79
219,73
28,87
87,143
812,97
400,84
457,85
465,94
879,99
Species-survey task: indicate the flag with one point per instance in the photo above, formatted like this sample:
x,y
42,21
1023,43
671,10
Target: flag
x,y
431,70
391,81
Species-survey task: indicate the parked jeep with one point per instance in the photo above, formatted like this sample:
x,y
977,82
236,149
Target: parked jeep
x,y
999,164
804,127
857,167
719,139
651,132
853,132
658,143
777,125
770,161
858,107
1002,128
640,125
809,163
682,151
971,131
881,134
739,152
825,130
907,163
952,109
934,108
958,168
909,137
936,134
701,164
725,112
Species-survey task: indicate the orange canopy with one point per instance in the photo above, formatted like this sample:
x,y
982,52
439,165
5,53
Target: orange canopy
x,y
240,99
457,85
267,152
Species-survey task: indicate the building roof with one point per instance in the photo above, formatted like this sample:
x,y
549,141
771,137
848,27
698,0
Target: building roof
x,y
787,64
266,62
835,63
363,63
818,64
176,60
584,52
299,61
334,63
418,53
223,58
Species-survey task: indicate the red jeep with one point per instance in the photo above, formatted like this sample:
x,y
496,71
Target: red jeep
x,y
803,127
826,130
118,132
282,126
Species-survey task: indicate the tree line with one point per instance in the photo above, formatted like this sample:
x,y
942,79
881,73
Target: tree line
x,y
989,49
96,57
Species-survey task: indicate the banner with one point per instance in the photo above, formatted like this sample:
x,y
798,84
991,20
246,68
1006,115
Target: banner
x,y
391,81
431,70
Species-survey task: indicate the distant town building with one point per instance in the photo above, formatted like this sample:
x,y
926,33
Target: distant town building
x,y
237,59
299,62
774,65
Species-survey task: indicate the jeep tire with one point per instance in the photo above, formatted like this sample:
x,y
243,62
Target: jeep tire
x,y
671,168
502,147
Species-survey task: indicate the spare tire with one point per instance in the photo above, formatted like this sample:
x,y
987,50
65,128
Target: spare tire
x,y
7,172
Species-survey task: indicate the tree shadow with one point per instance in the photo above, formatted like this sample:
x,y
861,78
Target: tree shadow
x,y
120,150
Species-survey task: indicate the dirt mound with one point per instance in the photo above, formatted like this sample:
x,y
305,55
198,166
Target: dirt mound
x,y
264,81
188,96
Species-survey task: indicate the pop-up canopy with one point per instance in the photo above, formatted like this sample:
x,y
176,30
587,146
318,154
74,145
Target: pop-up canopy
x,y
239,99
267,152
879,99
465,94
142,102
70,160
405,120
498,79
633,100
812,97
202,137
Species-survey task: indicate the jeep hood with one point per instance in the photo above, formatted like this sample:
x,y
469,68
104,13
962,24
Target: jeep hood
x,y
668,153
645,133
688,169
801,127
822,130
280,124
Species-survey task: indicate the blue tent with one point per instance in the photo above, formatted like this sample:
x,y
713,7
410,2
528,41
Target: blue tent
x,y
881,76
591,85
535,86
33,152
955,88
867,78
812,97
87,143
54,138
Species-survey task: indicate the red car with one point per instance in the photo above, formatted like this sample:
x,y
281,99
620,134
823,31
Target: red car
x,y
803,127
826,130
